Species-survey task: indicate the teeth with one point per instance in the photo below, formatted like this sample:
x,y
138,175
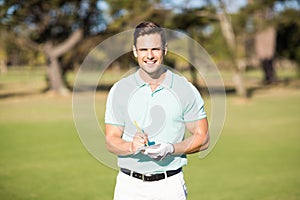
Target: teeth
x,y
150,62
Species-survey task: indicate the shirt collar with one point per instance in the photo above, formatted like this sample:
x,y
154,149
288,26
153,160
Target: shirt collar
x,y
167,82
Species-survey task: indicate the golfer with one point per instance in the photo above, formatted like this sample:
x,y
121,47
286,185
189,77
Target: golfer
x,y
146,116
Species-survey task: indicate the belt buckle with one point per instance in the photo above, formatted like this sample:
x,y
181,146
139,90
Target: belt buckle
x,y
144,176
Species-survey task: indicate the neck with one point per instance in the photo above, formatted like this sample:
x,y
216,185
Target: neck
x,y
155,78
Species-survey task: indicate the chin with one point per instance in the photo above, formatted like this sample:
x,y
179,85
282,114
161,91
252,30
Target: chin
x,y
151,69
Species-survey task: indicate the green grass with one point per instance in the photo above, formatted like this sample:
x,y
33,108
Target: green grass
x,y
42,156
257,156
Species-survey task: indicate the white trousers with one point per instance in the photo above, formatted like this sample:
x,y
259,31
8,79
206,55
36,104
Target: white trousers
x,y
130,188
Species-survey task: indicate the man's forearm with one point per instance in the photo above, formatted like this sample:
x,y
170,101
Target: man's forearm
x,y
192,144
118,146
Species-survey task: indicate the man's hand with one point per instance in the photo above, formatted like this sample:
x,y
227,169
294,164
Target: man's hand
x,y
159,151
139,140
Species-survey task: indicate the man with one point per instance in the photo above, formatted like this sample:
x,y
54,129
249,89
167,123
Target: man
x,y
146,116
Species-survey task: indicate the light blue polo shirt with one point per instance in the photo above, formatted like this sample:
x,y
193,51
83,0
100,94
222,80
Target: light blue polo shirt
x,y
161,113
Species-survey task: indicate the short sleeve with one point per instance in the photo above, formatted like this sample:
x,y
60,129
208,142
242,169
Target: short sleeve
x,y
113,109
194,107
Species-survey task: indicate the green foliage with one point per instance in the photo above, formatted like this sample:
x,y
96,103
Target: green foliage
x,y
254,17
55,20
33,24
288,40
51,20
194,18
215,44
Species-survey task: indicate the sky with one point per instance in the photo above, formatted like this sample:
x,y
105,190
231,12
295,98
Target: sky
x,y
232,5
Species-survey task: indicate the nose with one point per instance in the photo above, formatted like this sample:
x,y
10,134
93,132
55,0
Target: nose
x,y
150,54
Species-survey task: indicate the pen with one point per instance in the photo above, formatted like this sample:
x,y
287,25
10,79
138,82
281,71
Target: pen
x,y
139,129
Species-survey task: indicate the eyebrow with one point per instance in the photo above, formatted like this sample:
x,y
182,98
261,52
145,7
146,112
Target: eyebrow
x,y
154,48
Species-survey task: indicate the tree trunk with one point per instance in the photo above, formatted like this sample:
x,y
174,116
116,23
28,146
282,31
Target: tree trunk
x,y
265,42
239,84
269,71
56,82
227,31
3,67
192,58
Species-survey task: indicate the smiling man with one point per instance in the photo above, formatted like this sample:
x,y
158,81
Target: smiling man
x,y
146,117
149,50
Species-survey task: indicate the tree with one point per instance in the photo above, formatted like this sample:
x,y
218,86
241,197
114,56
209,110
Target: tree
x,y
193,21
229,35
52,27
272,32
3,54
288,35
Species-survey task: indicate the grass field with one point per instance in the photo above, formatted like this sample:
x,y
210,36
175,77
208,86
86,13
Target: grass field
x,y
42,157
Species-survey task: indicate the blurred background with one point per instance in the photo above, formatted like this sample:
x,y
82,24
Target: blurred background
x,y
254,44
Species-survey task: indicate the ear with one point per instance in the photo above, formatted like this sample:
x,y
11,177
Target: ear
x,y
134,51
166,49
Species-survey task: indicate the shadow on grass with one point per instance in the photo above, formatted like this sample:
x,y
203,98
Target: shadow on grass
x,y
229,90
18,94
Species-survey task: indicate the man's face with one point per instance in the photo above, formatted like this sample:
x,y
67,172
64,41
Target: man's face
x,y
149,52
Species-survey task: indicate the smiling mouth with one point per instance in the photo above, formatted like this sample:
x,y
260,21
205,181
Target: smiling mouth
x,y
150,62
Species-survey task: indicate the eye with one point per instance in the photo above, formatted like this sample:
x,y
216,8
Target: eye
x,y
156,49
143,49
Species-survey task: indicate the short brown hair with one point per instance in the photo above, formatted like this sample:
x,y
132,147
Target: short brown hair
x,y
147,28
